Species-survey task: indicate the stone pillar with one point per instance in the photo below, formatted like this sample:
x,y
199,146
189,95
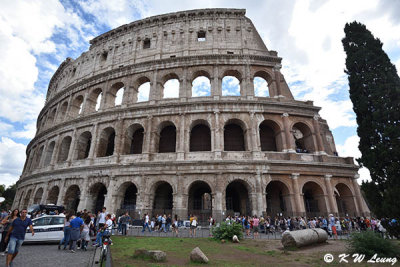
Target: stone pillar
x,y
61,193
181,139
84,195
45,194
253,199
216,88
147,142
332,208
85,102
252,133
320,146
299,203
278,80
109,199
55,151
185,88
218,138
261,204
154,93
119,137
357,192
71,148
290,145
44,154
93,149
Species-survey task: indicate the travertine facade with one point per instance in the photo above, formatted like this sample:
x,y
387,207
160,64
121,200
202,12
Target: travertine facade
x,y
209,155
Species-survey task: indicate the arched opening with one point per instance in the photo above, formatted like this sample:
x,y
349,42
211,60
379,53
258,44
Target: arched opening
x,y
51,118
49,153
93,100
72,198
106,143
64,149
83,146
115,95
98,193
237,199
200,138
278,199
38,157
261,82
62,112
20,202
269,136
26,199
167,139
314,200
134,139
118,96
171,87
345,200
129,201
143,89
200,201
201,85
52,197
38,196
303,138
233,137
231,83
163,199
76,107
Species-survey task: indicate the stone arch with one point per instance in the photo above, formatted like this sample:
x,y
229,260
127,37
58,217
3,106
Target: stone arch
x,y
115,89
52,196
106,143
234,135
143,88
303,137
52,117
170,86
314,199
64,148
83,145
26,199
127,196
97,195
167,137
262,81
134,137
231,83
20,202
200,136
162,201
200,200
49,153
72,197
38,157
201,83
76,106
278,198
237,198
38,196
345,200
270,136
62,111
93,100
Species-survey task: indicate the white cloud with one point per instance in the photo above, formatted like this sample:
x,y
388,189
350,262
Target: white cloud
x,y
350,149
230,86
12,159
28,132
201,86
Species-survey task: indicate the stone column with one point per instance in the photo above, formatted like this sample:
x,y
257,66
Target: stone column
x,y
184,90
332,208
147,142
109,199
85,102
254,148
45,194
253,199
84,195
299,203
216,88
61,193
71,148
278,80
320,145
120,137
181,139
260,195
55,151
154,93
290,145
357,192
44,154
93,149
218,136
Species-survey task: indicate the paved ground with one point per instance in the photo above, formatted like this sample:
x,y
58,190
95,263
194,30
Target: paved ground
x,y
48,255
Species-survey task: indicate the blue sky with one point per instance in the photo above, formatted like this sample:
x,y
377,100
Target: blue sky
x,y
36,36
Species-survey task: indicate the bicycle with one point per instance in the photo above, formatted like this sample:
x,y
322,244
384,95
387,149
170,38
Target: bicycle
x,y
105,246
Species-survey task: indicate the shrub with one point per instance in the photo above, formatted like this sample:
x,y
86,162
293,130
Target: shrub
x,y
227,231
369,243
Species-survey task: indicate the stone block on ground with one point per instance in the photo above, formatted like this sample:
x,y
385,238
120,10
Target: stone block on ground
x,y
198,256
301,238
156,255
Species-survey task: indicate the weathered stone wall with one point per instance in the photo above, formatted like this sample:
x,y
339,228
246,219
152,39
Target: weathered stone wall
x,y
72,157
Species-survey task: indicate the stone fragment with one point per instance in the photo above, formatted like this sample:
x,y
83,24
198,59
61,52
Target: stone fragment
x,y
157,255
198,256
304,237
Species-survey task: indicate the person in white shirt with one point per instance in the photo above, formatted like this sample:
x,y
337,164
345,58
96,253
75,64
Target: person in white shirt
x,y
105,230
102,218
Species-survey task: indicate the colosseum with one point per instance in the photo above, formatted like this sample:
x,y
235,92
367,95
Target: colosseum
x,y
169,114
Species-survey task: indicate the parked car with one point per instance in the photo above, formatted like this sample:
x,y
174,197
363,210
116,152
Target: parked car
x,y
47,228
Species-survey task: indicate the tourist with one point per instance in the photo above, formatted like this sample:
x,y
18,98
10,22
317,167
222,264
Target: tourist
x,y
16,235
76,225
7,222
175,225
332,224
169,221
193,226
67,230
246,224
85,236
105,230
124,221
102,218
146,223
163,222
256,223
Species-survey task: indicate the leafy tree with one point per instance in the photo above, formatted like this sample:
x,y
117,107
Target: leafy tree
x,y
375,93
8,194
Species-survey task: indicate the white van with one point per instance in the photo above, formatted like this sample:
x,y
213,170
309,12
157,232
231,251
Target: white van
x,y
47,228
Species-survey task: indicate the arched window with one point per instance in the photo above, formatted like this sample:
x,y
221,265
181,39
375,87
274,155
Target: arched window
x,y
62,112
261,87
171,86
64,149
201,86
83,146
200,138
49,153
143,88
118,96
76,107
134,139
231,83
268,132
106,144
303,138
167,139
112,99
233,137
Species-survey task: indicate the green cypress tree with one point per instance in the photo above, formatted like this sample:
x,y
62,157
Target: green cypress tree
x,y
375,93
